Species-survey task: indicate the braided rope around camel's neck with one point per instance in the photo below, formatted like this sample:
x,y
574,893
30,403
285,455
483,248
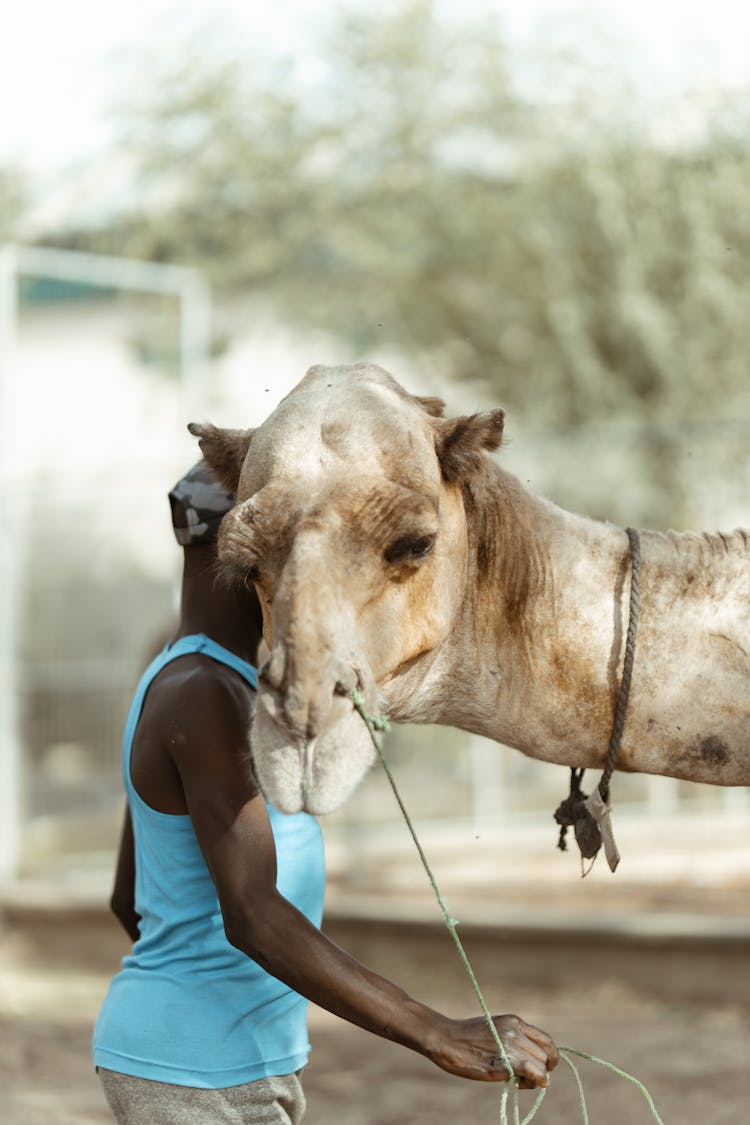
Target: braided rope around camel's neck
x,y
375,723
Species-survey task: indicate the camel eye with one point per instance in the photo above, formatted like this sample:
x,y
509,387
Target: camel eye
x,y
411,548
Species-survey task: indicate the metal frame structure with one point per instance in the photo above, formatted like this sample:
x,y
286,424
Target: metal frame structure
x,y
96,270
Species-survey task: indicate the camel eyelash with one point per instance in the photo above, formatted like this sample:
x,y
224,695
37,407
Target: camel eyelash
x,y
410,548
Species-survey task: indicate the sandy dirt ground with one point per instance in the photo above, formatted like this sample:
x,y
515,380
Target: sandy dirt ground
x,y
692,1056
650,970
695,1065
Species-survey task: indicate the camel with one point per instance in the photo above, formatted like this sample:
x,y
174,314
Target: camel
x,y
393,555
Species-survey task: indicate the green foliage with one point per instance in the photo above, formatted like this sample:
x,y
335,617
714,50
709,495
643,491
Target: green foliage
x,y
410,192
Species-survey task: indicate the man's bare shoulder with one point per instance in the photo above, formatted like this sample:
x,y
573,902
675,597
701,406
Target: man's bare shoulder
x,y
194,689
191,748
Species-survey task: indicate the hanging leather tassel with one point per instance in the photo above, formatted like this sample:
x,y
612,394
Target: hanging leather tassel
x,y
573,813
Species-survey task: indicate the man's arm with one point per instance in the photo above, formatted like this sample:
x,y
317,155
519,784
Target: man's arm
x,y
234,832
122,901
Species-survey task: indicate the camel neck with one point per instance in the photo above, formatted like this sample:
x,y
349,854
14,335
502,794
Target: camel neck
x,y
558,629
544,678
533,658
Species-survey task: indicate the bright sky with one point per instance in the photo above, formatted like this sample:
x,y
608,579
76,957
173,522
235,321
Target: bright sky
x,y
55,58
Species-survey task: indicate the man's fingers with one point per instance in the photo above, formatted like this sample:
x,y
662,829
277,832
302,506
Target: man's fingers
x,y
531,1061
499,1069
536,1050
530,1072
542,1039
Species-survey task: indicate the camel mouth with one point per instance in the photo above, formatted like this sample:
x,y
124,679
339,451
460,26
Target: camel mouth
x,y
315,775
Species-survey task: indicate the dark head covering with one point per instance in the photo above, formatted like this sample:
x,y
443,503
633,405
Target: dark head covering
x,y
199,503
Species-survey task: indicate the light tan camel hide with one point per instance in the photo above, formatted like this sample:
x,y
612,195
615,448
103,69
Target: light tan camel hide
x,y
390,552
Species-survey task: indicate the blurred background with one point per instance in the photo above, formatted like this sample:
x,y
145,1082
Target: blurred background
x,y
543,207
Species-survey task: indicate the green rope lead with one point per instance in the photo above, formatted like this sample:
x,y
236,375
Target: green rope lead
x,y
533,1111
622,1073
380,723
579,1084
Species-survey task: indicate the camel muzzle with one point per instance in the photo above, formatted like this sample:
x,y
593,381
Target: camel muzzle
x,y
309,775
307,703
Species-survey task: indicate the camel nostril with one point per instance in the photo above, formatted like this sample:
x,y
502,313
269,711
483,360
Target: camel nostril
x,y
349,679
271,672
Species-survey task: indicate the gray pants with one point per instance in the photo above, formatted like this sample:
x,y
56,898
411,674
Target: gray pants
x,y
139,1101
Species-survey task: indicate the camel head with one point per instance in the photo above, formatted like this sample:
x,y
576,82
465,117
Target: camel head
x,y
350,524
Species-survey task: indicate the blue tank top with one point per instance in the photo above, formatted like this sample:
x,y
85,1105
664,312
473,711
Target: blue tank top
x,y
187,1007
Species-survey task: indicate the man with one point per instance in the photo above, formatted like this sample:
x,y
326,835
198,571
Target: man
x,y
223,896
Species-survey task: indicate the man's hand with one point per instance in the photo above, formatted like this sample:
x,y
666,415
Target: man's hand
x,y
467,1048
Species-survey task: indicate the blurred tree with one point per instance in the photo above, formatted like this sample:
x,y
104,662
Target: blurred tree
x,y
418,189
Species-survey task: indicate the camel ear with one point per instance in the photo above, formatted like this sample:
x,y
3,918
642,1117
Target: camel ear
x,y
223,450
460,442
433,406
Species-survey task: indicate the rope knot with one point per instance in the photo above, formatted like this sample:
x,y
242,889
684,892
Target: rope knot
x,y
573,813
590,817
